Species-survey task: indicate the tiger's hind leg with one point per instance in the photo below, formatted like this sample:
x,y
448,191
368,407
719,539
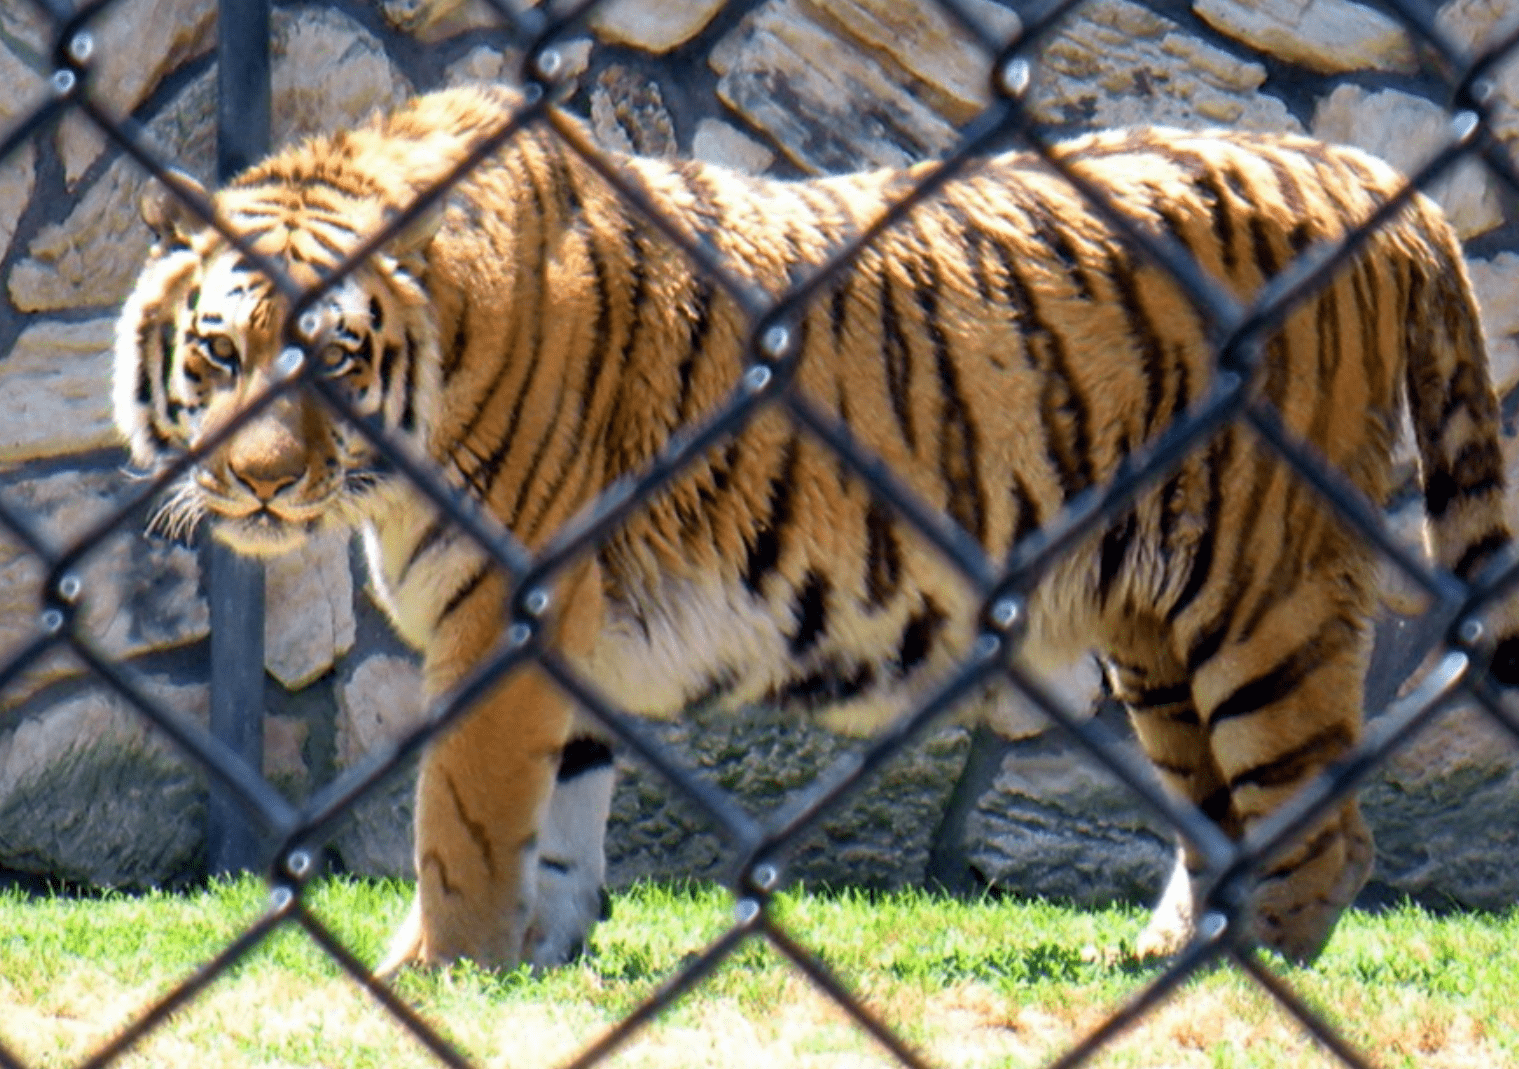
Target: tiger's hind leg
x,y
572,854
1157,693
1281,704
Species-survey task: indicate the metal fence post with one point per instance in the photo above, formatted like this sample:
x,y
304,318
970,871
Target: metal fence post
x,y
237,583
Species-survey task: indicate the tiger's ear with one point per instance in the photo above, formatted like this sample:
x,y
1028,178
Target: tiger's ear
x,y
165,211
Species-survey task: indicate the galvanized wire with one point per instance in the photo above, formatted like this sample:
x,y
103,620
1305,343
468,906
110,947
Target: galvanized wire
x,y
1236,330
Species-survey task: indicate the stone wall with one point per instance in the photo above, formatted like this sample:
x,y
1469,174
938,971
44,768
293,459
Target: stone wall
x,y
89,794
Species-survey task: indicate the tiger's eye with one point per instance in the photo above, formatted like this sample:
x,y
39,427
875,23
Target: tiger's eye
x,y
335,359
223,348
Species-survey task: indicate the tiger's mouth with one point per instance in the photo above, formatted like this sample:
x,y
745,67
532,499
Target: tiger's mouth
x,y
263,533
261,528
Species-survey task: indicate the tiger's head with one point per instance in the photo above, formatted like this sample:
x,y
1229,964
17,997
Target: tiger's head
x,y
205,334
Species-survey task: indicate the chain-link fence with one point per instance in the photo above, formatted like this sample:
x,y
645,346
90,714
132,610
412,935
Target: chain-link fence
x,y
1446,629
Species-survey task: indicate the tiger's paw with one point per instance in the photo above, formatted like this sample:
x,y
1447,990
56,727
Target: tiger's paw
x,y
570,902
1171,924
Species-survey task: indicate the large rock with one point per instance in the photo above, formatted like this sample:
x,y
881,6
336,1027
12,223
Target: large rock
x,y
656,26
1116,63
136,596
716,141
1481,25
1056,824
91,793
56,385
771,74
135,44
25,90
1327,36
880,836
923,48
1442,809
18,174
1496,283
308,621
328,72
378,701
1407,131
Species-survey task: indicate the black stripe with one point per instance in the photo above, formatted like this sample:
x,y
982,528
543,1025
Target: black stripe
x,y
581,755
1208,641
1148,699
959,450
460,596
898,362
1069,448
1216,806
1056,237
1331,354
1279,683
975,244
388,354
1477,469
1320,748
1261,248
595,362
838,308
1209,187
1028,520
826,686
505,340
430,536
1177,770
764,552
1313,849
601,334
454,359
811,611
145,332
1292,195
883,556
529,477
1217,458
700,325
1480,552
1145,336
918,637
1367,315
409,387
1116,541
329,246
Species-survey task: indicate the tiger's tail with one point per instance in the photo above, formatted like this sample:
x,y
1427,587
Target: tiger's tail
x,y
1457,427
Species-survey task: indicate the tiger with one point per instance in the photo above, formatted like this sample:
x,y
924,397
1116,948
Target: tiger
x,y
1002,348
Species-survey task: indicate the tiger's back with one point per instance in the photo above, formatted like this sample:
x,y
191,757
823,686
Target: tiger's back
x,y
1001,349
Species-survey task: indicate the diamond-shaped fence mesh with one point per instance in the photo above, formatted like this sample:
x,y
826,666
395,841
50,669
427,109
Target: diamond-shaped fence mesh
x,y
1445,637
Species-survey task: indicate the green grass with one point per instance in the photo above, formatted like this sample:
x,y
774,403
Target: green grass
x,y
990,983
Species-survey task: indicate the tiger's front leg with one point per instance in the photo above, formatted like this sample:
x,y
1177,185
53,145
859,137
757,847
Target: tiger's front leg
x,y
483,790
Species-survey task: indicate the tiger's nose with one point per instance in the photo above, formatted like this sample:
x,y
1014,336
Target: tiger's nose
x,y
264,486
266,457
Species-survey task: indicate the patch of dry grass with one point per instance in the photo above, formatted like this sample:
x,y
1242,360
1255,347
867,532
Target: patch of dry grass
x,y
990,984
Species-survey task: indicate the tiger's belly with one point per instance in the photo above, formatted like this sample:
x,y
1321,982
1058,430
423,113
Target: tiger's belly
x,y
705,642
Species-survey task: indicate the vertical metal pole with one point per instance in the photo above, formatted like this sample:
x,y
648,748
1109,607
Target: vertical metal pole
x,y
237,583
